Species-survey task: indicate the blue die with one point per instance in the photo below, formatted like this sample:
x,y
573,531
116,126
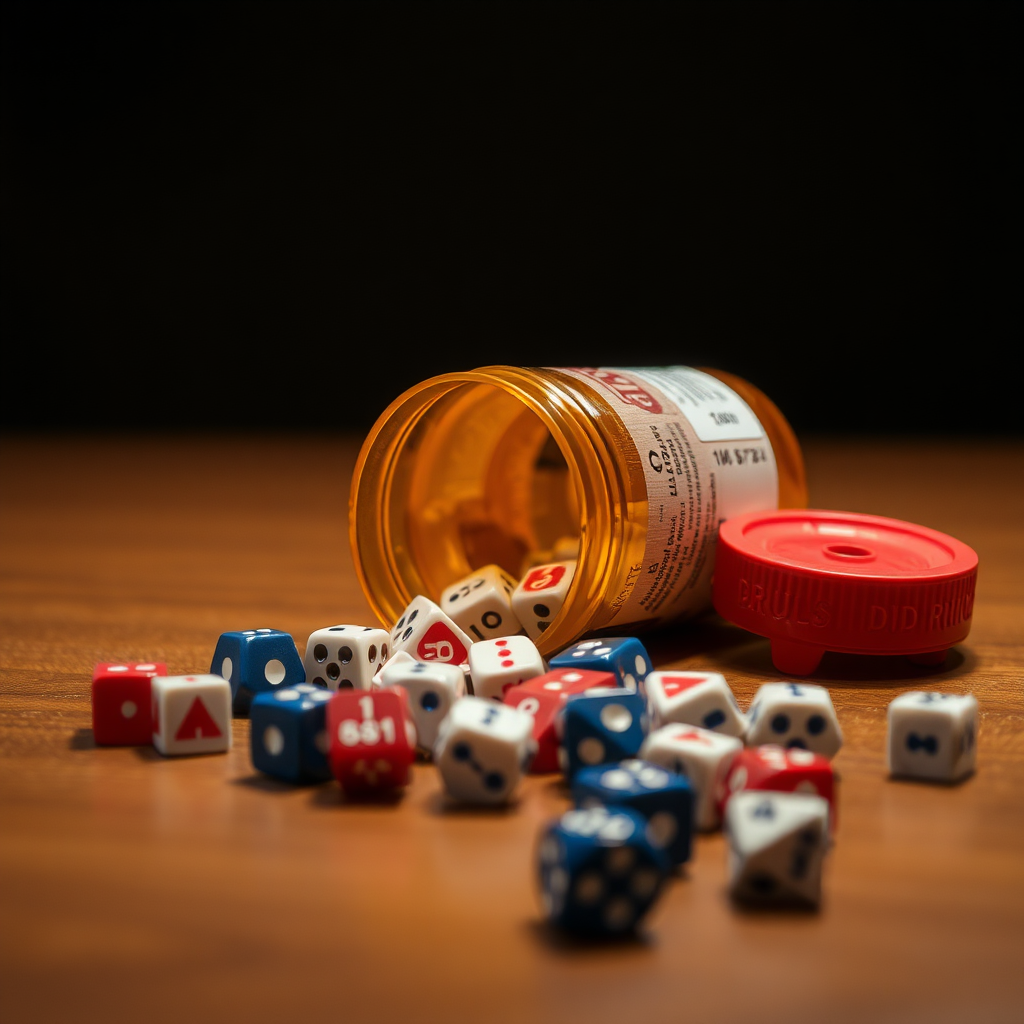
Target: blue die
x,y
664,798
254,661
626,656
597,872
599,726
288,733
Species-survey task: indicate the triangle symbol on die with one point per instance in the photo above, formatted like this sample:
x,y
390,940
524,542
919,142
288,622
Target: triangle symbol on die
x,y
197,724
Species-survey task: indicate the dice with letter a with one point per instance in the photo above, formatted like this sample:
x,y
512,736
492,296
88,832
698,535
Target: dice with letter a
x,y
540,594
932,735
345,657
777,847
498,664
371,740
121,699
599,726
794,715
288,733
429,634
433,687
597,872
191,714
256,660
626,656
703,699
480,603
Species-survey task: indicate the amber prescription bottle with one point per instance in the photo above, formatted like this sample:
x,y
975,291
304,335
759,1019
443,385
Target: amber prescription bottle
x,y
629,469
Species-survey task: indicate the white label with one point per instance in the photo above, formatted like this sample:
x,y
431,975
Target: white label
x,y
705,459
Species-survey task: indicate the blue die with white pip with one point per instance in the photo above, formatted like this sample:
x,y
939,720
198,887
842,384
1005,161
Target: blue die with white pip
x,y
597,872
255,661
600,726
664,798
288,733
625,656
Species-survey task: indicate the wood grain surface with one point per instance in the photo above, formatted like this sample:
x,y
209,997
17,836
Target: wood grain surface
x,y
138,887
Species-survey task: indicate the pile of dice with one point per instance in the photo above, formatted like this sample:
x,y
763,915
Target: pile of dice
x,y
650,757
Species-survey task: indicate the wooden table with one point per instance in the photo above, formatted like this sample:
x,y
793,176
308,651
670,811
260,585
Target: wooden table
x,y
137,887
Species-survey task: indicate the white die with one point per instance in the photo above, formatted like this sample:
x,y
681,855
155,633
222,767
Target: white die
x,y
191,714
398,658
794,715
429,634
702,755
777,846
345,657
932,735
480,603
495,665
703,699
433,687
483,750
540,594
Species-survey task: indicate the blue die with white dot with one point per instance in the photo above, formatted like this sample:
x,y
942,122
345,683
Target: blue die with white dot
x,y
597,872
599,726
255,661
625,656
665,799
288,733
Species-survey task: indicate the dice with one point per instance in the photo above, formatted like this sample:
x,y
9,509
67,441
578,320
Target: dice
x,y
599,726
345,657
256,660
596,871
932,735
542,698
121,698
371,741
540,594
780,769
498,664
483,750
703,756
428,634
777,847
794,715
191,714
626,656
480,603
288,733
703,699
664,798
433,687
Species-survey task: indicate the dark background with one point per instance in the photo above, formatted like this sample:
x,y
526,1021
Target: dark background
x,y
280,215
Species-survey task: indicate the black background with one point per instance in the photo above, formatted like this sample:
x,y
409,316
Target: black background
x,y
280,215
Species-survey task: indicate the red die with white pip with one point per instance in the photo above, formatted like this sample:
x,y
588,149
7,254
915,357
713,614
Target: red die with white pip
x,y
543,696
371,740
540,594
497,665
121,712
769,766
428,634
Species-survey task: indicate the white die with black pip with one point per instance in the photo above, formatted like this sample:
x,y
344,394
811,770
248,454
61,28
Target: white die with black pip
x,y
932,735
481,603
540,594
794,715
345,657
433,687
703,699
428,633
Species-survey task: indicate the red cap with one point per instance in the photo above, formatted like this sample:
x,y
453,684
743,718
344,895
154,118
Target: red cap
x,y
813,580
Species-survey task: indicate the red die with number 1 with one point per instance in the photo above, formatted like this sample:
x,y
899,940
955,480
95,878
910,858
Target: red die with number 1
x,y
121,713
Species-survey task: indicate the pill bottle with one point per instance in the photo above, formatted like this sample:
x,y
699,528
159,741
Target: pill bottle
x,y
625,471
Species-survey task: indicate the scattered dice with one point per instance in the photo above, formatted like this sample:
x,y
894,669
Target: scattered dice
x,y
483,750
256,660
794,715
191,714
626,656
481,603
428,634
703,756
597,872
703,699
121,702
664,799
288,733
497,665
777,847
540,594
932,735
345,657
599,726
433,687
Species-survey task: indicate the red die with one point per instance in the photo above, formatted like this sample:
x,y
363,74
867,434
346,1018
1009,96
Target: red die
x,y
769,766
121,711
543,696
371,740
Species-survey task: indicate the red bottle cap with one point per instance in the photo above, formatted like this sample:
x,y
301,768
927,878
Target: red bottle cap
x,y
813,580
